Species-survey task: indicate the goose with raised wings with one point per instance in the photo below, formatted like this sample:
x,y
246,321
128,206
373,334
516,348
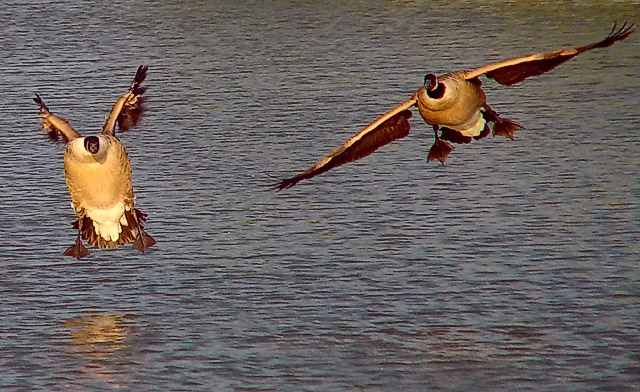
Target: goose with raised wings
x,y
98,175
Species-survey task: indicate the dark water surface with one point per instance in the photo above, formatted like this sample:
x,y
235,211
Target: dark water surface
x,y
513,267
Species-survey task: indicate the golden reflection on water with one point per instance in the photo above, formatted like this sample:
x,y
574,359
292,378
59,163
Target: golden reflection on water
x,y
100,339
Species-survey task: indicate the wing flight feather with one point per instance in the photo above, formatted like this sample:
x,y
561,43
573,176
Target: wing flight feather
x,y
128,109
515,70
390,126
58,128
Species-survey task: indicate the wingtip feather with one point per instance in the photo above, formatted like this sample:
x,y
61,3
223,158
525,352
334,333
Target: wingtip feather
x,y
40,102
285,184
141,75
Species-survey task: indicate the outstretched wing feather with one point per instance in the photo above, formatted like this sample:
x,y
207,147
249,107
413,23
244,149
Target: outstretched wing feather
x,y
128,109
58,128
391,126
515,70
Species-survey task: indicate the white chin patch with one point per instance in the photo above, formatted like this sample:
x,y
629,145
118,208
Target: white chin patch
x,y
108,222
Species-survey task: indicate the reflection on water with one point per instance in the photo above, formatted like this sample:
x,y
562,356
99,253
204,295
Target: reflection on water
x,y
98,340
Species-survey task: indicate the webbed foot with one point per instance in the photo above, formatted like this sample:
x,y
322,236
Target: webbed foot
x,y
440,150
143,241
501,126
506,128
77,250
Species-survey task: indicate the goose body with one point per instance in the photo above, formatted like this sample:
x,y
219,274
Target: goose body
x,y
100,188
454,104
98,176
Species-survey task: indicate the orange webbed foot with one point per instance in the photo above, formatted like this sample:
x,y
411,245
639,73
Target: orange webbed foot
x,y
440,150
77,250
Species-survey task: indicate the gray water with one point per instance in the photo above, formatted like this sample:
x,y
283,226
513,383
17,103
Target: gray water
x,y
515,266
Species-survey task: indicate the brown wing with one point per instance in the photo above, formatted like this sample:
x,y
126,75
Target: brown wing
x,y
128,109
512,71
390,126
57,128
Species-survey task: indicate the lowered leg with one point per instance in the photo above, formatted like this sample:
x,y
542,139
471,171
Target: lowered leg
x,y
143,240
502,127
440,149
77,250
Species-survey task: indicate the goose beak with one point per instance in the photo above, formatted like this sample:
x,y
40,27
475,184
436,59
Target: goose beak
x,y
92,144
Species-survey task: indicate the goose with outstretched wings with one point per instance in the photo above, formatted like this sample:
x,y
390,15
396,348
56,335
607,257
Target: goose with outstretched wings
x,y
454,105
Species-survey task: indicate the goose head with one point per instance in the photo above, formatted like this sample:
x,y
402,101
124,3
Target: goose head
x,y
92,144
434,88
430,82
90,148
